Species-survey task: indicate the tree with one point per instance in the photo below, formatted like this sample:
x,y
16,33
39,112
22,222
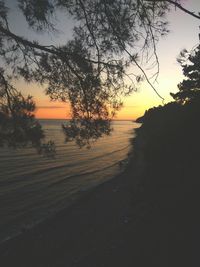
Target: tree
x,y
90,70
169,136
18,127
189,88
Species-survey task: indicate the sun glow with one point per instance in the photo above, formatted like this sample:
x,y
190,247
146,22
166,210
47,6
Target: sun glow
x,y
52,113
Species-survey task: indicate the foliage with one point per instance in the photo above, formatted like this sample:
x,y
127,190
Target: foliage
x,y
169,139
105,42
18,127
90,70
189,88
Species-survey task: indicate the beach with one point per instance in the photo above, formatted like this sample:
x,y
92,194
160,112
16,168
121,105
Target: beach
x,y
107,226
89,233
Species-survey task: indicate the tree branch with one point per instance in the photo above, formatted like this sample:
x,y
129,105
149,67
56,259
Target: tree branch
x,y
131,56
47,49
176,4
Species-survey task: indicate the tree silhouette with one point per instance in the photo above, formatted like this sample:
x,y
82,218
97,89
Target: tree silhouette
x,y
168,143
189,88
90,70
18,126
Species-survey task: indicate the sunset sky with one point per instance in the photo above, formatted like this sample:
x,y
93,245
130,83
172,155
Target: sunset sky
x,y
184,31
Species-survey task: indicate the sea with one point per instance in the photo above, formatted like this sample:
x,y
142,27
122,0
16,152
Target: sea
x,y
34,187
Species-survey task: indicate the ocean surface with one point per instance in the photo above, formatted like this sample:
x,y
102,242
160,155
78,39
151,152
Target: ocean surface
x,y
34,187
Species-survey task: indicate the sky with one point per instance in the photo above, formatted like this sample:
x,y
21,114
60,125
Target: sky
x,y
184,30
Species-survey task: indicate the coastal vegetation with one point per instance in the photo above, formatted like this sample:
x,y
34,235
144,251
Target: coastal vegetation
x,y
168,144
170,133
91,69
148,215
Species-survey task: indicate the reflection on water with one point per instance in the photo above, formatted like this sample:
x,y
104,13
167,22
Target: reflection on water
x,y
34,187
85,132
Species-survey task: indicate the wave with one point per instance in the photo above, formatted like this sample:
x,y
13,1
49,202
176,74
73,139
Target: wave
x,y
34,187
84,173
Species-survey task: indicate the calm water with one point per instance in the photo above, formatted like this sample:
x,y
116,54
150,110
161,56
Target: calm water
x,y
32,187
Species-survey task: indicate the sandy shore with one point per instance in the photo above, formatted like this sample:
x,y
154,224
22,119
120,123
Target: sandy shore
x,y
105,227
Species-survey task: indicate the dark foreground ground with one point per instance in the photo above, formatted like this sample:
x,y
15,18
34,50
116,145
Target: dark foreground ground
x,y
114,226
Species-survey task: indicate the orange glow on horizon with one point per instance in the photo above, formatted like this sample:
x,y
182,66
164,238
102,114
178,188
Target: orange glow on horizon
x,y
58,110
134,105
64,113
52,113
128,113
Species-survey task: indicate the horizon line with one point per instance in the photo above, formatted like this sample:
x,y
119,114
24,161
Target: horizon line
x,y
70,119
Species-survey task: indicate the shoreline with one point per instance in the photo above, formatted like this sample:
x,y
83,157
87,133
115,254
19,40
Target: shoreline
x,y
85,178
111,226
72,200
25,243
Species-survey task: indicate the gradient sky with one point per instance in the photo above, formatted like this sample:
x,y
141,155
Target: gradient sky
x,y
184,31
